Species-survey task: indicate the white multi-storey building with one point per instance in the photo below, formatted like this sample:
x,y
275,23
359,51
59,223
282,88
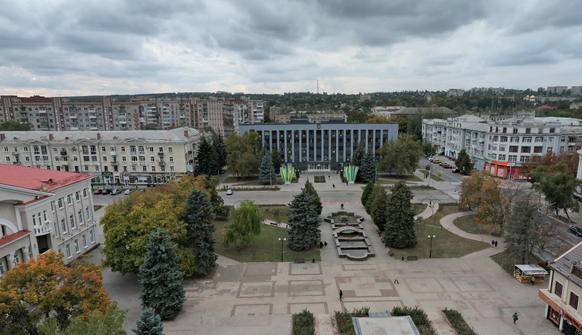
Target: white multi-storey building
x,y
43,210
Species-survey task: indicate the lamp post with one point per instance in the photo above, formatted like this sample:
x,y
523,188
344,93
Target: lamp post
x,y
430,252
282,239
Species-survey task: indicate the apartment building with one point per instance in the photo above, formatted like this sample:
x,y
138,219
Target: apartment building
x,y
321,145
564,290
287,117
109,157
43,210
500,146
557,89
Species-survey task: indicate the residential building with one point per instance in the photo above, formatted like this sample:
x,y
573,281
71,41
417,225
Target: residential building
x,y
454,92
564,290
557,89
43,210
287,117
398,111
500,144
321,145
109,157
576,90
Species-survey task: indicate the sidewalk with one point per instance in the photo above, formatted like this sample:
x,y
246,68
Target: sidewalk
x,y
447,223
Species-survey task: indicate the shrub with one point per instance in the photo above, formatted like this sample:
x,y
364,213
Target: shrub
x,y
458,322
419,318
303,323
344,320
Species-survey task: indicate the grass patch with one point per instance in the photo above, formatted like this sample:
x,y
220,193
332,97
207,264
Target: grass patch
x,y
319,179
432,176
418,316
97,207
458,322
266,248
505,261
399,178
234,179
343,320
303,323
444,245
270,212
419,208
468,224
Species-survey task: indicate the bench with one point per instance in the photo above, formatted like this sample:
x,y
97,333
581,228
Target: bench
x,y
412,258
299,260
496,234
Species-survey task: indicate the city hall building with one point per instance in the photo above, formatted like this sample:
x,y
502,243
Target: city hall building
x,y
321,145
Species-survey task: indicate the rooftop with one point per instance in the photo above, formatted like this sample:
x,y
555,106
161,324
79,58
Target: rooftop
x,y
34,179
563,264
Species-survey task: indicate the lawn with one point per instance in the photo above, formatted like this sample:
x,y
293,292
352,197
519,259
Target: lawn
x,y
233,179
432,176
444,245
505,261
256,182
269,212
419,208
267,247
399,178
468,224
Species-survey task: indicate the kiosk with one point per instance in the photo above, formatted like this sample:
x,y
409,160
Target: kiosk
x,y
524,273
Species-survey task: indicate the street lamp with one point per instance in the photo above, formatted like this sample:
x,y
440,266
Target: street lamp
x,y
430,252
282,239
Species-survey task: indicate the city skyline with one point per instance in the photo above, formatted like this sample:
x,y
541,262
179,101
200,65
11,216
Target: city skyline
x,y
65,48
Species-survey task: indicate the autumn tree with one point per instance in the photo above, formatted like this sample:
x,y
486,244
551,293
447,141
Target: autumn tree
x,y
400,230
48,289
304,232
161,278
400,155
199,215
557,186
550,161
245,225
243,153
97,323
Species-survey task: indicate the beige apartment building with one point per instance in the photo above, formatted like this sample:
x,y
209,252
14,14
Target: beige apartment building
x,y
43,210
109,157
286,117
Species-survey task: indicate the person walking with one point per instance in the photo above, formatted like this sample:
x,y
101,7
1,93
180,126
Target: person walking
x,y
514,316
533,280
333,185
496,244
341,295
320,244
342,206
492,243
396,280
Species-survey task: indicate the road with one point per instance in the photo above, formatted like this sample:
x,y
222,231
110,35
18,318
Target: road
x,y
448,175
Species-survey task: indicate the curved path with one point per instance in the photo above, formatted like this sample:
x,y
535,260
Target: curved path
x,y
447,223
428,211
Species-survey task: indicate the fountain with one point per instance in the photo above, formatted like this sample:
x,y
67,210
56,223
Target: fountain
x,y
351,240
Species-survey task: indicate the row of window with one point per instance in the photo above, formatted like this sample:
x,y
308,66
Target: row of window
x,y
515,130
69,254
64,228
69,197
37,149
525,139
573,298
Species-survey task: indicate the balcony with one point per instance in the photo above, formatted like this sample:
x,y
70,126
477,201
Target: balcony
x,y
92,116
44,229
42,111
114,163
161,163
16,153
17,163
64,153
113,153
160,153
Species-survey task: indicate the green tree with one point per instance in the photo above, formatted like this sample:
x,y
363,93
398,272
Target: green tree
x,y
160,277
400,155
97,323
243,153
207,159
149,323
428,149
12,125
220,149
316,200
366,194
304,233
199,216
246,224
375,191
463,163
267,173
558,187
400,232
367,171
277,161
378,208
358,156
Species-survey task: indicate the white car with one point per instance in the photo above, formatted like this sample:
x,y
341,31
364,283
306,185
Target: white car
x,y
229,192
128,192
116,191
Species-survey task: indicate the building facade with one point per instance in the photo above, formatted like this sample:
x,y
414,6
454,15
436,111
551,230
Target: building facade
x,y
564,291
287,117
323,145
109,157
43,210
501,144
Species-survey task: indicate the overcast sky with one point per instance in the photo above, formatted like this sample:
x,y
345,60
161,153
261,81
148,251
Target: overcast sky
x,y
99,47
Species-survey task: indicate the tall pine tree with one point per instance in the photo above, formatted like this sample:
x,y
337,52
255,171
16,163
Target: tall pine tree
x,y
220,149
277,161
149,323
357,160
367,171
161,278
375,191
316,202
267,173
304,233
400,232
207,159
378,208
199,216
366,194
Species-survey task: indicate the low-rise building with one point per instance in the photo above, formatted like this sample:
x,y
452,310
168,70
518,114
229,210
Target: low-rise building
x,y
43,210
109,157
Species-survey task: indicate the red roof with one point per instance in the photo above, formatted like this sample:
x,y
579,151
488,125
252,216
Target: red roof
x,y
12,237
34,179
546,107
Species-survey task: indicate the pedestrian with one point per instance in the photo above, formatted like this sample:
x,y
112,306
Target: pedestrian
x,y
320,244
342,295
492,243
342,206
379,233
325,243
496,244
514,315
347,182
333,185
533,281
396,280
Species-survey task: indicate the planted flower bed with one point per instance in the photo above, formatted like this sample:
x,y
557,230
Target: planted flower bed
x,y
344,320
458,322
303,323
319,179
418,316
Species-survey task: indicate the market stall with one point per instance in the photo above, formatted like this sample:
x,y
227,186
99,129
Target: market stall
x,y
524,273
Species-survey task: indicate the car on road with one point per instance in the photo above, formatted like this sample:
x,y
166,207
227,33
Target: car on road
x,y
97,191
576,231
229,192
430,158
436,161
447,166
116,191
128,192
106,192
442,164
456,170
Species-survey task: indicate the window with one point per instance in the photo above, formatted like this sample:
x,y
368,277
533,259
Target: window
x,y
92,236
84,241
171,158
153,169
16,258
502,148
494,156
172,168
45,218
1,269
145,169
103,149
52,206
60,202
515,139
513,158
558,289
576,271
170,149
105,158
72,220
151,149
69,199
523,159
538,149
122,149
539,139
85,193
123,159
526,149
504,138
77,249
64,226
152,159
77,196
573,300
56,230
495,138
527,139
88,216
501,157
80,213
528,130
34,219
552,130
69,251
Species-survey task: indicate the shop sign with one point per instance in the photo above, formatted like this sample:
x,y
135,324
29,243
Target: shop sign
x,y
572,320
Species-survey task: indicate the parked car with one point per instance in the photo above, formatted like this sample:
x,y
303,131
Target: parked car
x,y
442,163
430,158
229,192
116,191
576,231
436,161
97,191
106,192
128,192
455,170
222,171
447,166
